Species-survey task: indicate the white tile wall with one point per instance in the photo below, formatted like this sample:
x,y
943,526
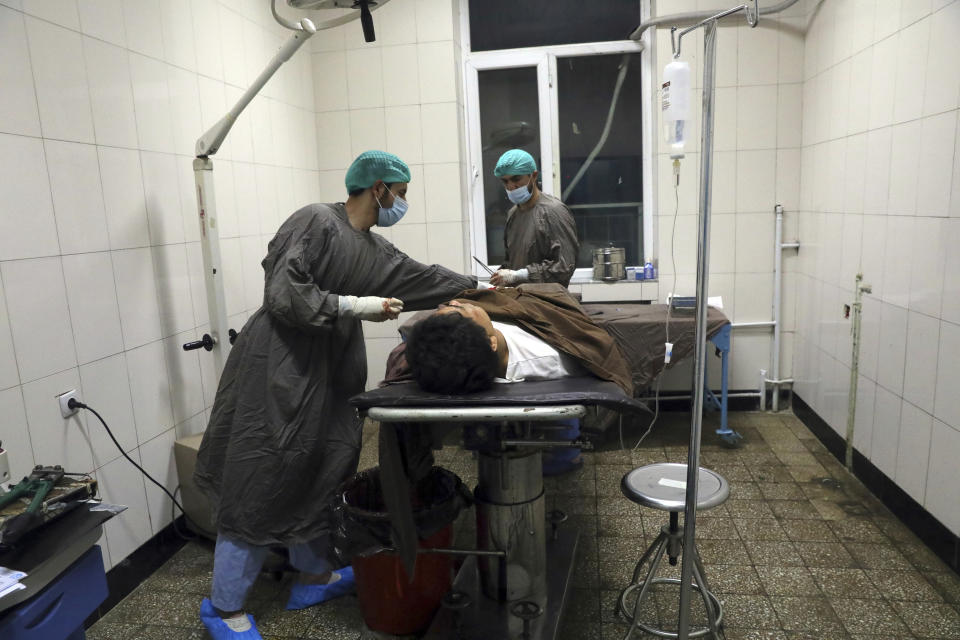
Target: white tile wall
x,y
912,47
121,483
942,82
186,386
103,19
123,198
437,72
141,19
54,438
94,313
937,142
151,102
111,93
61,12
941,497
106,388
63,97
886,431
950,309
367,131
403,133
27,228
401,76
157,455
913,450
39,316
18,101
9,375
16,435
100,262
895,153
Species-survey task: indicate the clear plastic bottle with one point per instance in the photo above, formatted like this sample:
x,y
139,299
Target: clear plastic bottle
x,y
675,104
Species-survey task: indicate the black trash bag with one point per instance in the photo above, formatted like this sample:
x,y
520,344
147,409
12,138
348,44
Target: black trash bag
x,y
362,524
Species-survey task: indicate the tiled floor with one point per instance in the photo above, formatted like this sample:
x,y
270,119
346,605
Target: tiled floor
x,y
801,550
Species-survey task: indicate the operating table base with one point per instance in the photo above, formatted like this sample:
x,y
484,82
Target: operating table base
x,y
486,618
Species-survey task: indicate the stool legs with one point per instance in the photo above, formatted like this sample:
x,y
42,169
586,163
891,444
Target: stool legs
x,y
656,550
669,540
701,578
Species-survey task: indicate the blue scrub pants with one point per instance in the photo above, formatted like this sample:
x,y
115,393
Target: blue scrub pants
x,y
236,565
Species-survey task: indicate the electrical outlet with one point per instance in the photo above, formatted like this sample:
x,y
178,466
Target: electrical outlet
x,y
63,399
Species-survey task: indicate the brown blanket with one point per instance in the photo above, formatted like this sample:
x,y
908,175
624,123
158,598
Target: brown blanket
x,y
548,312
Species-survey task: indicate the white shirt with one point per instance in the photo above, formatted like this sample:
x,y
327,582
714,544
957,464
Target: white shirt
x,y
530,358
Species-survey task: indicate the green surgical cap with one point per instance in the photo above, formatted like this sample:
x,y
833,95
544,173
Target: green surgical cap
x,y
371,166
515,162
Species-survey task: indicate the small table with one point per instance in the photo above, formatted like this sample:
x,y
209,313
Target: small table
x,y
63,565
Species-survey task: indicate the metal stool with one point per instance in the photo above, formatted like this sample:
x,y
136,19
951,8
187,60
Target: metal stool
x,y
663,486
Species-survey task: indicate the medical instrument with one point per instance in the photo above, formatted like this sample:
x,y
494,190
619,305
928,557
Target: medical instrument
x,y
44,495
36,486
485,267
209,143
609,263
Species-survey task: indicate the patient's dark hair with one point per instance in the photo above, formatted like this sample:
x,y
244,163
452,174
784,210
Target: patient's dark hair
x,y
450,354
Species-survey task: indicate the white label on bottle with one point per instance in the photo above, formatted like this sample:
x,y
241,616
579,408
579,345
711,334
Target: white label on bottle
x,y
676,484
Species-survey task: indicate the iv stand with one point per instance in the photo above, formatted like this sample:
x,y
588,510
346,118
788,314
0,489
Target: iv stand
x,y
703,274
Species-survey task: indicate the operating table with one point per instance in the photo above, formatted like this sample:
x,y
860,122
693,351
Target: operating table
x,y
508,426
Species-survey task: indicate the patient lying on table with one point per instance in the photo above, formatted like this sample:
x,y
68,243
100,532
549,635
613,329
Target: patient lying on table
x,y
533,332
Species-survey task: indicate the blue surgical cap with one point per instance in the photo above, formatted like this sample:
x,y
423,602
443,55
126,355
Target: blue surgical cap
x,y
371,166
515,162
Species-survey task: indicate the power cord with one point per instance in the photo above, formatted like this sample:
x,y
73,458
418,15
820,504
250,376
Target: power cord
x,y
73,403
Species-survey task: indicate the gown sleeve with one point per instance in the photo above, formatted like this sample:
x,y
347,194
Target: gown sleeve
x,y
290,292
420,286
557,237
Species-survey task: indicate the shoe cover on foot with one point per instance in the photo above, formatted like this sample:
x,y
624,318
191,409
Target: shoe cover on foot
x,y
306,595
219,630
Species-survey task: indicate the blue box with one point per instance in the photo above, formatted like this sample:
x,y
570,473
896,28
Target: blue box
x,y
58,612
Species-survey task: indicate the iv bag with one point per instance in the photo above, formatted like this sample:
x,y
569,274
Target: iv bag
x,y
675,104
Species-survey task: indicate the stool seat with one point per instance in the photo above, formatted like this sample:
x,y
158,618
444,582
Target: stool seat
x,y
663,486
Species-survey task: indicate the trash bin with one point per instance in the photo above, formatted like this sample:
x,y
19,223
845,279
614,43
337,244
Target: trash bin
x,y
389,601
563,459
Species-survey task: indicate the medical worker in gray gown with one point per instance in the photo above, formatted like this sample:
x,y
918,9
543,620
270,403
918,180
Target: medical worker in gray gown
x,y
282,435
541,235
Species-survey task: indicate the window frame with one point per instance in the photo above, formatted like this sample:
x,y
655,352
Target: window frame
x,y
544,58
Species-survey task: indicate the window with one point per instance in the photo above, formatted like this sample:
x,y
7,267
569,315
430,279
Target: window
x,y
580,110
510,24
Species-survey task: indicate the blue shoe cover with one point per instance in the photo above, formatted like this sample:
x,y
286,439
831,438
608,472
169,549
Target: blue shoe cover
x,y
307,595
218,628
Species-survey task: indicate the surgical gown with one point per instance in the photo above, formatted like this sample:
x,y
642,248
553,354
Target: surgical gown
x,y
282,435
543,240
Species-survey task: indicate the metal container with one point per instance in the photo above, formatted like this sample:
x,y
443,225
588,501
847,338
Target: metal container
x,y
510,517
609,264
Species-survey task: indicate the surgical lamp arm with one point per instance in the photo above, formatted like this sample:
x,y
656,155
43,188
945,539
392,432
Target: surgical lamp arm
x,y
209,143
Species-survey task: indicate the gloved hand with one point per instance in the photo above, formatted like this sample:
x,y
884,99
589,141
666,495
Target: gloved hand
x,y
509,277
372,308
